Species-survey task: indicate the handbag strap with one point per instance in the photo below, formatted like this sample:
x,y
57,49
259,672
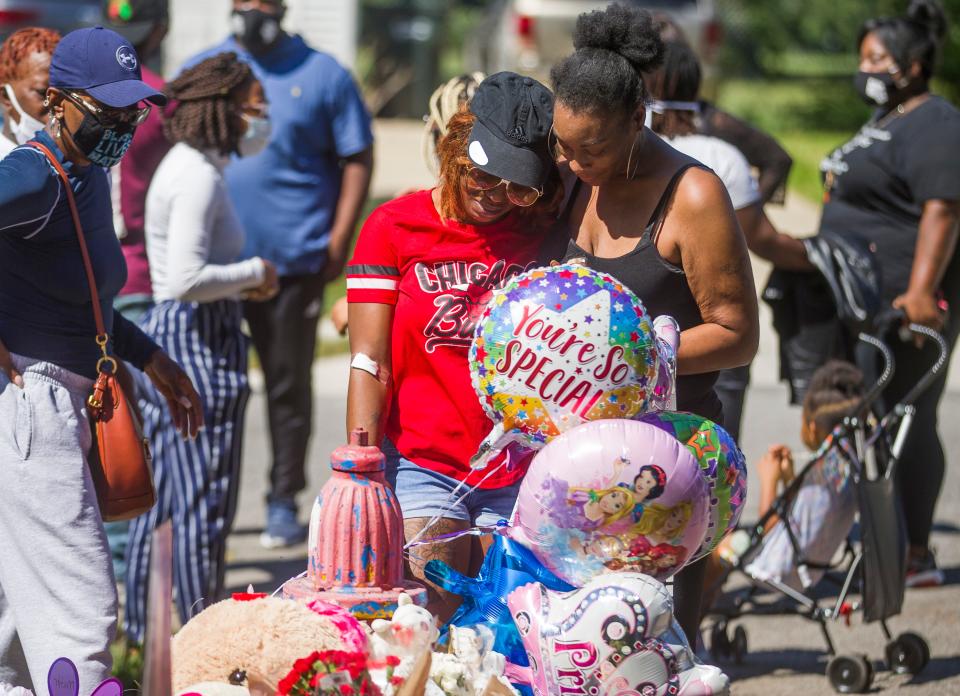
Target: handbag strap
x,y
102,336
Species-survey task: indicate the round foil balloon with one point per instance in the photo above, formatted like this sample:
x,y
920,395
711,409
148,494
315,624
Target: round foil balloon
x,y
721,463
560,346
614,637
612,495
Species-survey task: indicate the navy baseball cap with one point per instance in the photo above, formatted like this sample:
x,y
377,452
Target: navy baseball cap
x,y
104,65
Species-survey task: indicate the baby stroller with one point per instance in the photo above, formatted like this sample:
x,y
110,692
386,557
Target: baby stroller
x,y
876,566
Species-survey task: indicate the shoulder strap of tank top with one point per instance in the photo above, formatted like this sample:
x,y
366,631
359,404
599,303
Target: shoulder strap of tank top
x,y
660,212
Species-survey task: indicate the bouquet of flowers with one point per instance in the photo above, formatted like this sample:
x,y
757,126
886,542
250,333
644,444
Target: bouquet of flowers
x,y
332,673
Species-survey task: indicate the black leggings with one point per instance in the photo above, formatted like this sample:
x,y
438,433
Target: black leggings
x,y
921,468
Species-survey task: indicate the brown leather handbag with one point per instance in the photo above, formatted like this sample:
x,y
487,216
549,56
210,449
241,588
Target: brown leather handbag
x,y
121,469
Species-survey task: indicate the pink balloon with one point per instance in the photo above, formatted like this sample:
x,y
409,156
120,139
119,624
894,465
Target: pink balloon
x,y
612,495
614,637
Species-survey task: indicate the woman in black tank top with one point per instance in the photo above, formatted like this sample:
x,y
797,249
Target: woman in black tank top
x,y
654,218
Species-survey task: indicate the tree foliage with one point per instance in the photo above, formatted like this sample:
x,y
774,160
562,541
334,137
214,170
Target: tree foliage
x,y
761,33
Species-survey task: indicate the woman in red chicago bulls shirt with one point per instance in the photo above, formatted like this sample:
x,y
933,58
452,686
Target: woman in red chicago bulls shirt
x,y
423,266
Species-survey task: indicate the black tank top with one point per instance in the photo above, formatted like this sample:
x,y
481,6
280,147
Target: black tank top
x,y
662,287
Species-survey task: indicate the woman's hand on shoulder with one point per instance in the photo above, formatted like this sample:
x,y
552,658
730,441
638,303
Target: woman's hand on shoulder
x,y
6,364
181,396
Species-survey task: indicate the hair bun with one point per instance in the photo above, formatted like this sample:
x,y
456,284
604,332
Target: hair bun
x,y
930,14
628,31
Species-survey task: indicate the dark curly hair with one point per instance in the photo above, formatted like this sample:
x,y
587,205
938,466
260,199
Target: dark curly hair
x,y
913,37
614,47
205,116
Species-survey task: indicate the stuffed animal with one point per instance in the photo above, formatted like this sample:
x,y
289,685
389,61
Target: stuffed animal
x,y
411,632
251,642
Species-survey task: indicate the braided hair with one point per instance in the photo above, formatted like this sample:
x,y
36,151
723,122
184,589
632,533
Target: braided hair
x,y
445,101
205,116
835,391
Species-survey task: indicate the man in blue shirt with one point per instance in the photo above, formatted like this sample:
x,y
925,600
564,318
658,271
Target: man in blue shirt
x,y
299,201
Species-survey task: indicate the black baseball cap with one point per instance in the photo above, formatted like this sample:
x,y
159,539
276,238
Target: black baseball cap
x,y
104,65
509,138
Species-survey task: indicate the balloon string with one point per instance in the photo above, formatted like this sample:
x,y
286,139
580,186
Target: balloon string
x,y
439,516
450,536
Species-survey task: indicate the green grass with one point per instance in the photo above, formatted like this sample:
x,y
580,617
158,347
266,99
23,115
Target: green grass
x,y
127,665
809,116
807,149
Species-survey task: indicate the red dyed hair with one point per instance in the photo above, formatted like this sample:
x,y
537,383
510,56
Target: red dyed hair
x,y
454,165
21,44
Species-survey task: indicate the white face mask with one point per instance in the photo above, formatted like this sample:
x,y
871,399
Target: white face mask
x,y
655,106
256,136
24,129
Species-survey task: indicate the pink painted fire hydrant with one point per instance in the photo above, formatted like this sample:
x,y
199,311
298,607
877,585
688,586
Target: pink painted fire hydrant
x,y
356,537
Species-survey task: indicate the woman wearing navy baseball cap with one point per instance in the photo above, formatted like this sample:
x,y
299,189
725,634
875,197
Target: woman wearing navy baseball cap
x,y
57,591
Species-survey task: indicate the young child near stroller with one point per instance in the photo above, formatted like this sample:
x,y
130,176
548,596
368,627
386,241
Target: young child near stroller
x,y
824,507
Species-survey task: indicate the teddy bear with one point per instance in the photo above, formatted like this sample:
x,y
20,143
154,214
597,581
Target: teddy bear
x,y
411,632
251,641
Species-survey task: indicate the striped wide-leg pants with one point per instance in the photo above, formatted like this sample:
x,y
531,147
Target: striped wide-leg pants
x,y
197,481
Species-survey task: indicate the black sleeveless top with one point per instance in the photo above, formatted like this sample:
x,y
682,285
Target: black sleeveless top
x,y
662,287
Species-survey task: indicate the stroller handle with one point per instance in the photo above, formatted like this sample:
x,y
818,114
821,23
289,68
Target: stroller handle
x,y
930,375
889,367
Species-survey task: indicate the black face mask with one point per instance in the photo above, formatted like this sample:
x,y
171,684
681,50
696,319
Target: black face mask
x,y
103,146
877,89
257,30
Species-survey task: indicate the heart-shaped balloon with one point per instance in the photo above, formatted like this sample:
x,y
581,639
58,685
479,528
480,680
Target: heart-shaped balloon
x,y
613,637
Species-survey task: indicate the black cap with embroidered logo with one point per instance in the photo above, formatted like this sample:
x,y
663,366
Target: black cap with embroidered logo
x,y
509,138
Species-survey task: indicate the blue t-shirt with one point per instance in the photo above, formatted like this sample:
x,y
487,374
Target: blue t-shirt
x,y
287,195
45,307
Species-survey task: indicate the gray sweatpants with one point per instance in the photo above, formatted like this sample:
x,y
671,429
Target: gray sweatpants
x,y
57,593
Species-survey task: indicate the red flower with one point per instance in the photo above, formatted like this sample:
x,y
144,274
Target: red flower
x,y
303,665
393,660
287,683
346,690
397,681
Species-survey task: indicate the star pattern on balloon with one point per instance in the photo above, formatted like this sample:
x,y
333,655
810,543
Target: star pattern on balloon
x,y
569,301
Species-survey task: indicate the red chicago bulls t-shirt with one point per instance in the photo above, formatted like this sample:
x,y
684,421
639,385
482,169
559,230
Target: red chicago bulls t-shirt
x,y
438,274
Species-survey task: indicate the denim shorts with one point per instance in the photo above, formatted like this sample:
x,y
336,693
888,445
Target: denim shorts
x,y
426,493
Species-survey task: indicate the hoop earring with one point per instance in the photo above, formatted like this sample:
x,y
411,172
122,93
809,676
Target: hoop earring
x,y
630,158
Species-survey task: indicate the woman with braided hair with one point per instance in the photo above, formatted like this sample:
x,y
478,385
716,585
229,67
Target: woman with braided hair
x,y
193,240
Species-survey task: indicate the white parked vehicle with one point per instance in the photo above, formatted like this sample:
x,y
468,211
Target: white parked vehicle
x,y
529,36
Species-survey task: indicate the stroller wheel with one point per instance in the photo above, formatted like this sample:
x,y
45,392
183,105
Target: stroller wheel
x,y
849,674
719,642
739,644
908,653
